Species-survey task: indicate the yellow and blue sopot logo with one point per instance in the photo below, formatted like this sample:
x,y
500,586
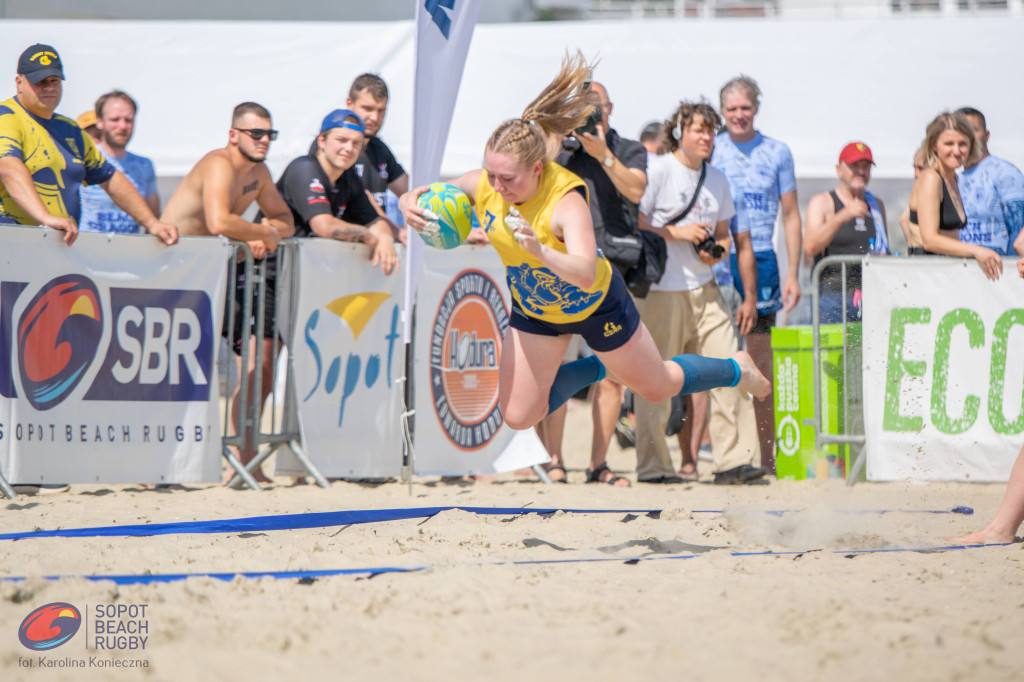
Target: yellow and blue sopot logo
x,y
454,215
49,626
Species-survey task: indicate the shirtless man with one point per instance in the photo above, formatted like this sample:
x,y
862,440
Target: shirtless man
x,y
210,201
213,196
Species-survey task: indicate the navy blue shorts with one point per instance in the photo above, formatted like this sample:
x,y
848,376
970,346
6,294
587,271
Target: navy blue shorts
x,y
609,327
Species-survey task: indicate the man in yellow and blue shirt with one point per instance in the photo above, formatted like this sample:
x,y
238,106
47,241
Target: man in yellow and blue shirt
x,y
45,157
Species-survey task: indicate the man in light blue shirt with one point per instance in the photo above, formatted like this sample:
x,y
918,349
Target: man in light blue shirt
x,y
993,194
115,121
762,182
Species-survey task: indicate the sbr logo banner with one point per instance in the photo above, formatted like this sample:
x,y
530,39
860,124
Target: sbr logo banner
x,y
108,358
161,347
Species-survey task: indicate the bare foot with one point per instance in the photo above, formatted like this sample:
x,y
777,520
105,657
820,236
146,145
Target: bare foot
x,y
751,379
982,537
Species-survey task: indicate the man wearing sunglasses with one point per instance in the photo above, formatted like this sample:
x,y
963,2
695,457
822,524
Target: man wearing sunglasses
x,y
213,196
46,157
210,201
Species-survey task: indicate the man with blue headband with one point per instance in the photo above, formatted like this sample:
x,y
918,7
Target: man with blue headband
x,y
326,194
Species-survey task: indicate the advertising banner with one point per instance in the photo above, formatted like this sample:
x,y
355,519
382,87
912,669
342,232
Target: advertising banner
x,y
943,370
108,358
348,358
461,319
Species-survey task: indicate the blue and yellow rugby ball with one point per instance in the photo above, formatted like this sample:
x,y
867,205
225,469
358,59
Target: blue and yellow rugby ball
x,y
453,212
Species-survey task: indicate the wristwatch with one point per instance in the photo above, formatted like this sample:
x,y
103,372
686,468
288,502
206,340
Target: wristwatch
x,y
609,161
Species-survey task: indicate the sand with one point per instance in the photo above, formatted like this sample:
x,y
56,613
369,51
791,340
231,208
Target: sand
x,y
819,613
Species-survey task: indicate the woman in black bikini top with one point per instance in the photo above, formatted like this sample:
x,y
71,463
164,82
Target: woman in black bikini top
x,y
935,204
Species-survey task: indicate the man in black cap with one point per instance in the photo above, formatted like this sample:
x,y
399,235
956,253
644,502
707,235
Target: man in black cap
x,y
45,157
327,197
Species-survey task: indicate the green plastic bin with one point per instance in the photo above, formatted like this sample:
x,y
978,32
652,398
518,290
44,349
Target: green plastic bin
x,y
796,457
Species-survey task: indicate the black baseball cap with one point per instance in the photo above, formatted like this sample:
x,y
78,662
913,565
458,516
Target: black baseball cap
x,y
39,62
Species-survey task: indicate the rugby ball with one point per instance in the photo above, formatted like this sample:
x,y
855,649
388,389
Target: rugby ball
x,y
450,213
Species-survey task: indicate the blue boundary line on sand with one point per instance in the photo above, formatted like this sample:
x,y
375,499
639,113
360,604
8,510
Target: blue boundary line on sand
x,y
359,516
310,575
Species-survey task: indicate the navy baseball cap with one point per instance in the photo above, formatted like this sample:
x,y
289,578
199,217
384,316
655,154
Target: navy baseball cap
x,y
336,119
39,62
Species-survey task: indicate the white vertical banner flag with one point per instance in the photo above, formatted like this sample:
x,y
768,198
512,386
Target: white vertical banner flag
x,y
463,313
443,31
943,370
347,361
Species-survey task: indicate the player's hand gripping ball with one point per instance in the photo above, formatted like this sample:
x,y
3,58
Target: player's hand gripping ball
x,y
450,214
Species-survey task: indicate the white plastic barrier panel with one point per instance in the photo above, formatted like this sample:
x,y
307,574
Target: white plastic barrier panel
x,y
943,370
108,358
348,359
462,314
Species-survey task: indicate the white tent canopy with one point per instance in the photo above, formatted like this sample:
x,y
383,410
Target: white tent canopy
x,y
825,83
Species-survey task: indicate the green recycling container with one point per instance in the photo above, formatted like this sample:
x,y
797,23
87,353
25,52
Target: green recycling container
x,y
796,457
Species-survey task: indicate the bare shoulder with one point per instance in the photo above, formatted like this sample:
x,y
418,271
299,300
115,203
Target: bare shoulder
x,y
571,209
821,203
215,162
929,179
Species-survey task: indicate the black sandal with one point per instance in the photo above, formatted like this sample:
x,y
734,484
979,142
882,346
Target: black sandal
x,y
594,476
558,467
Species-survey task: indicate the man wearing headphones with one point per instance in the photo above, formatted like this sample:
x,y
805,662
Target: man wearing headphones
x,y
688,202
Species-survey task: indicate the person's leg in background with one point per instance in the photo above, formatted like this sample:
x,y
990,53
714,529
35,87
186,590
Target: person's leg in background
x,y
662,314
759,345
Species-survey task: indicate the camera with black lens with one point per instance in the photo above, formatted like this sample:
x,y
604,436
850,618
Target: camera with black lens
x,y
709,247
593,119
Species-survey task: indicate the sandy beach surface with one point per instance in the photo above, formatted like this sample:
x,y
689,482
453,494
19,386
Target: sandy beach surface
x,y
693,609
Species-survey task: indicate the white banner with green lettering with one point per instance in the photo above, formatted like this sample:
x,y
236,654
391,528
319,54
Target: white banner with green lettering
x,y
943,370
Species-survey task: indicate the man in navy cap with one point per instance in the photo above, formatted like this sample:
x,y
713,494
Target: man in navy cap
x,y
327,197
45,157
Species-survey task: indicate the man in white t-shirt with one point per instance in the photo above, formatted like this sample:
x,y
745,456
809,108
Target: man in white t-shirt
x,y
685,312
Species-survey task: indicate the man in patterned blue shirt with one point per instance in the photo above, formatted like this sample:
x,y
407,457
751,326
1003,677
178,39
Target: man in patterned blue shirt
x,y
762,181
44,157
993,194
115,122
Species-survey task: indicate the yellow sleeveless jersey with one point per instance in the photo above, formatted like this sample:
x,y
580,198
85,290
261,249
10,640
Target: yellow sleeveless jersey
x,y
535,287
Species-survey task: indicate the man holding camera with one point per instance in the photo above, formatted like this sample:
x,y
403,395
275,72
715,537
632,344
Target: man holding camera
x,y
615,171
688,203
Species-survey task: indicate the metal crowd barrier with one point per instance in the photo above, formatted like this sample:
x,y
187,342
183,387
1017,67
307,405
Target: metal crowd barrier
x,y
854,440
283,427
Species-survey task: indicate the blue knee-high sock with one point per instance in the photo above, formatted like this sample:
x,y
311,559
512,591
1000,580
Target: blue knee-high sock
x,y
571,377
701,373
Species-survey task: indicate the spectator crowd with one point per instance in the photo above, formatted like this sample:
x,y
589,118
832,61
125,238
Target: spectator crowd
x,y
703,185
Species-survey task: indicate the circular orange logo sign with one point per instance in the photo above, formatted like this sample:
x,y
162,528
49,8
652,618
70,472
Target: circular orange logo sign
x,y
464,351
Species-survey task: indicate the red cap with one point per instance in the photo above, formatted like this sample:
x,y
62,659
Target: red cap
x,y
854,152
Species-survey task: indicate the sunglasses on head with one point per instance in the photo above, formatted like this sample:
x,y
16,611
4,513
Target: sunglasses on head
x,y
258,133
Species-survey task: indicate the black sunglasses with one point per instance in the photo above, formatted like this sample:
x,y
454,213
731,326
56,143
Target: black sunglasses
x,y
258,133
